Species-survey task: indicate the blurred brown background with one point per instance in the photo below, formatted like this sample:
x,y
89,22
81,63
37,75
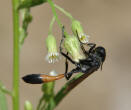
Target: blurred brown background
x,y
108,22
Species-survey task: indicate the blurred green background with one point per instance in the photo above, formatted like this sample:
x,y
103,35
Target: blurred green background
x,y
108,22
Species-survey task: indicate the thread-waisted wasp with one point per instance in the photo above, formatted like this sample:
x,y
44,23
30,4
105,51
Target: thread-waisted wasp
x,y
94,58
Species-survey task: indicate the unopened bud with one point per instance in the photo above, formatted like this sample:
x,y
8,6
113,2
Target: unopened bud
x,y
72,46
52,55
28,105
78,31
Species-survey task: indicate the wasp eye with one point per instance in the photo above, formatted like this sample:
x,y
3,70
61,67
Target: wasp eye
x,y
101,52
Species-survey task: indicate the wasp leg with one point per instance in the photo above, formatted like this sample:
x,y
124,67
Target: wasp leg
x,y
66,56
92,46
81,45
63,36
69,74
66,65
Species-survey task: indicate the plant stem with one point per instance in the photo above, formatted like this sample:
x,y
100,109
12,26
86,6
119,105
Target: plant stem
x,y
48,90
54,12
71,85
51,25
65,12
4,90
47,100
40,103
15,97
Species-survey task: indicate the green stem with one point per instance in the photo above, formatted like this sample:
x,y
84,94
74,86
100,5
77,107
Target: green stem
x,y
44,106
4,90
15,97
51,25
65,89
49,95
51,104
65,12
40,102
54,12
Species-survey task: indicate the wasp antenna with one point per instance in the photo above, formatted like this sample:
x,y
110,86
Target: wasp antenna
x,y
33,79
101,65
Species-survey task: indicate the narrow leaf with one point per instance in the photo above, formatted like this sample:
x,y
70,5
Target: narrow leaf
x,y
30,3
26,20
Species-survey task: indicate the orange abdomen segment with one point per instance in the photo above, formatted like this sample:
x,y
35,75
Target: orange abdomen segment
x,y
47,78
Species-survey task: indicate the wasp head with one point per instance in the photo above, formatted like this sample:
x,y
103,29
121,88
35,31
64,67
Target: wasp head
x,y
101,52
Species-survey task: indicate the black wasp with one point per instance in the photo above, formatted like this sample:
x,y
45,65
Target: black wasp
x,y
95,57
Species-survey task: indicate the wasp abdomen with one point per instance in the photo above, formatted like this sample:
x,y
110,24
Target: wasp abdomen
x,y
33,79
41,78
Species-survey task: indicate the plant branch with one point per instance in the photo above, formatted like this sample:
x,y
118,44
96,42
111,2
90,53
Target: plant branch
x,y
54,12
51,25
15,97
65,12
71,85
4,90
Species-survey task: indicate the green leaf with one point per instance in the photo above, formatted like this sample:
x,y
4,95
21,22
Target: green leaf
x,y
3,102
30,3
26,20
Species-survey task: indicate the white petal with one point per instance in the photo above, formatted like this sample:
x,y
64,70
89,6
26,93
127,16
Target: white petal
x,y
52,57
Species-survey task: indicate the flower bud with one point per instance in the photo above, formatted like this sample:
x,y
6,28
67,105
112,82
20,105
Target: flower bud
x,y
76,26
78,31
28,105
72,46
52,55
